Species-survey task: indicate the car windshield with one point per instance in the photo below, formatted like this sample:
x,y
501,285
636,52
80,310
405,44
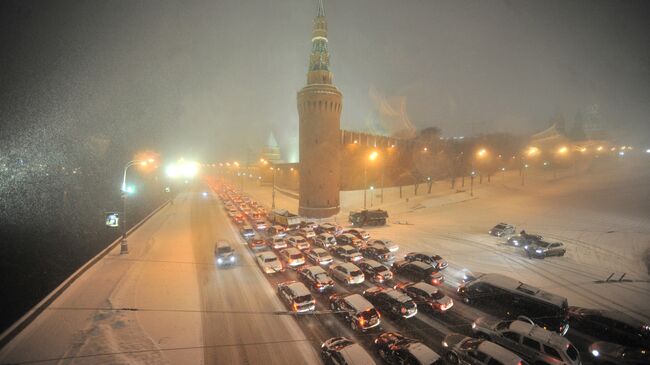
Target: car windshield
x,y
369,314
303,298
436,295
572,352
322,254
224,249
381,268
296,256
355,273
542,244
499,226
321,276
351,251
270,259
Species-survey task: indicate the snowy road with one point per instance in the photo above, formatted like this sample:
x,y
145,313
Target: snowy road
x,y
166,303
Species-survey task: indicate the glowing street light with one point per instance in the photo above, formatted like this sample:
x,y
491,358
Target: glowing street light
x,y
563,150
532,151
124,247
371,157
599,148
482,153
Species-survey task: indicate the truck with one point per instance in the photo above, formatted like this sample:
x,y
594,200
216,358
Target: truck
x,y
284,218
375,217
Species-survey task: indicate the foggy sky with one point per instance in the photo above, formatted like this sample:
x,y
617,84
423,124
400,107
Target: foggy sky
x,y
206,78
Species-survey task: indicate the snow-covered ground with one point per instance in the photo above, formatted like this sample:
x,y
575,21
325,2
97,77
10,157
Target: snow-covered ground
x,y
601,214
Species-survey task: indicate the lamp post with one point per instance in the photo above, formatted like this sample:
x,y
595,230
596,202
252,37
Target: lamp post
x,y
273,190
124,246
373,156
471,184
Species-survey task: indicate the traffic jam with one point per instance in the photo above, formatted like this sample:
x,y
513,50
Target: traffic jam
x,y
361,300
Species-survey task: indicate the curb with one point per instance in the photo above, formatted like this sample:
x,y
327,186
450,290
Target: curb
x,y
11,332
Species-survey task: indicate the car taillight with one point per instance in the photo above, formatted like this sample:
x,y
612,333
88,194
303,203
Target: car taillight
x,y
362,322
435,281
295,307
319,285
403,310
378,277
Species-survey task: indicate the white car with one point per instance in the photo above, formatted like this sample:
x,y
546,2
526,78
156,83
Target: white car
x,y
307,233
269,262
389,245
278,242
298,242
319,256
292,257
347,273
260,225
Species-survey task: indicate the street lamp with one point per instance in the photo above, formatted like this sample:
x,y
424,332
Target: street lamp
x,y
124,246
373,156
273,190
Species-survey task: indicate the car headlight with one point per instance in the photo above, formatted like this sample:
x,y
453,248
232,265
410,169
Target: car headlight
x,y
526,247
219,260
538,250
595,353
473,325
445,344
232,258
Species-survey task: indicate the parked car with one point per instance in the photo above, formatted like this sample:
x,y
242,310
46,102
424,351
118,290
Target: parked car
x,y
292,257
276,230
375,271
533,343
307,232
260,224
471,351
502,229
297,296
436,261
257,243
523,240
347,273
343,351
298,242
610,326
347,253
427,296
542,249
378,253
394,348
309,224
349,240
316,278
319,256
277,242
390,245
356,310
358,233
247,231
328,228
391,301
612,353
225,254
418,271
269,262
325,240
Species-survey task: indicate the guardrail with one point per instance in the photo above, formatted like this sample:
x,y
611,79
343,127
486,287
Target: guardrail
x,y
11,332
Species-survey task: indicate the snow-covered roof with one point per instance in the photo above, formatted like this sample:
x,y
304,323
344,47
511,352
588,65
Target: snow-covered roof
x,y
359,303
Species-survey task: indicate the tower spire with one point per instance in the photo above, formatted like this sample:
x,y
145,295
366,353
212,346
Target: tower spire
x,y
319,59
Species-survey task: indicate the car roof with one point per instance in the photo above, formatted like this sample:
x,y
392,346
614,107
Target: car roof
x,y
372,263
315,269
428,288
538,333
326,235
298,288
498,353
346,247
318,249
292,250
354,354
267,254
348,266
358,302
397,295
621,317
421,264
423,353
509,283
349,235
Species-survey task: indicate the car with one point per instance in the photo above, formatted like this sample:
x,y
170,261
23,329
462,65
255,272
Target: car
x,y
390,245
523,239
306,232
610,326
269,262
472,351
296,295
506,297
225,254
260,224
427,296
502,229
378,253
343,351
532,342
391,301
247,231
276,230
318,256
360,314
375,271
349,240
330,228
358,233
298,242
542,249
613,353
292,257
347,273
325,240
316,278
347,253
257,243
277,242
309,224
418,271
394,348
434,260
232,213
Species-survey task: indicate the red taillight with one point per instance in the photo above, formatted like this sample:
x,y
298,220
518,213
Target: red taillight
x,y
403,310
295,307
362,322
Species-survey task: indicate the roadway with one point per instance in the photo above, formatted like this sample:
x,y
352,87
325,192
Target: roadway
x,y
166,302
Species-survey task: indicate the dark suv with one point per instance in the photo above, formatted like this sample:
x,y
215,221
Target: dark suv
x,y
392,301
418,271
542,249
356,310
611,326
343,351
502,229
434,260
375,271
394,348
379,253
427,295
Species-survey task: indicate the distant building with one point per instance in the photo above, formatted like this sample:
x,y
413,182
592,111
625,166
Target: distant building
x,y
319,110
271,152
